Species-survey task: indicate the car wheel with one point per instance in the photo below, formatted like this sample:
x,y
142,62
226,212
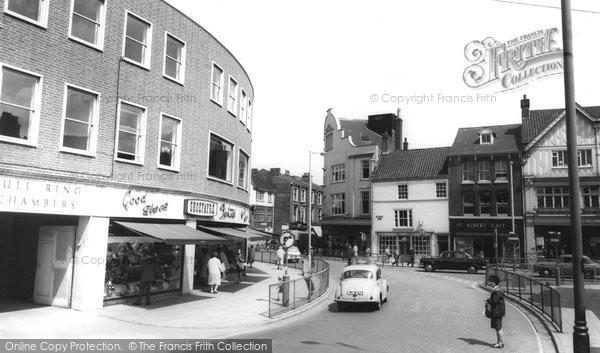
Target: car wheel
x,y
429,268
545,272
472,269
341,306
378,303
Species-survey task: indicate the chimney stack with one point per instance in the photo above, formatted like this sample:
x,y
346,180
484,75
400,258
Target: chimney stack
x,y
398,132
287,172
275,171
306,177
385,143
525,107
405,144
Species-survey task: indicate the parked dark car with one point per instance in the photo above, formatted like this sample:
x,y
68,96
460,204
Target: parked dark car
x,y
453,260
565,262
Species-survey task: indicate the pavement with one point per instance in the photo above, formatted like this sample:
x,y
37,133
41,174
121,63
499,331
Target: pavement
x,y
237,308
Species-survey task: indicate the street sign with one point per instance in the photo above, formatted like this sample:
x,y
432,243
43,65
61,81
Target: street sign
x,y
286,239
514,237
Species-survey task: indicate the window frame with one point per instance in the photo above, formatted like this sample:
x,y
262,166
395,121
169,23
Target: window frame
x,y
249,115
556,156
341,201
486,138
408,218
498,171
439,190
241,152
142,141
340,171
467,171
34,121
590,197
101,30
260,195
236,103
365,202
182,67
482,204
295,193
43,20
483,172
231,164
499,204
401,193
328,141
243,107
179,143
148,53
472,204
585,153
563,195
363,168
303,195
221,84
93,142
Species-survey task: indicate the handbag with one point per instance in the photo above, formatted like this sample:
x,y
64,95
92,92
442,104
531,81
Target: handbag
x,y
487,309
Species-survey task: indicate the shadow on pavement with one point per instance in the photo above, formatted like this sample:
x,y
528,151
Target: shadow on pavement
x,y
166,302
233,287
8,305
474,342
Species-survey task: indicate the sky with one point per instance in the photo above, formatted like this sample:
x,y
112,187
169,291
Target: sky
x,y
362,58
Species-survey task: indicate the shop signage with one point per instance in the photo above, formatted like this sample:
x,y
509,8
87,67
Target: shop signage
x,y
200,208
135,199
480,226
232,213
566,220
40,196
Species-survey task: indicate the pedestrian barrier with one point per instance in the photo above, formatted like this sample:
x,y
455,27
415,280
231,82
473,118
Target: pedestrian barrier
x,y
535,293
285,296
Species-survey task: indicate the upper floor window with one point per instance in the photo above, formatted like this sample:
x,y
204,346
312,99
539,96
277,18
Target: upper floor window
x,y
243,170
502,203
34,11
591,196
174,58
249,115
559,158
365,202
217,77
485,138
338,204
220,160
244,107
553,197
80,120
468,203
232,102
138,40
484,170
441,190
467,171
403,218
584,158
303,196
485,203
295,194
365,167
87,22
260,195
269,197
20,99
319,199
130,139
500,170
170,142
338,173
328,141
403,192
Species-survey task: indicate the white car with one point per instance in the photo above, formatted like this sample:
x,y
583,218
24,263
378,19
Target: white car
x,y
293,254
361,284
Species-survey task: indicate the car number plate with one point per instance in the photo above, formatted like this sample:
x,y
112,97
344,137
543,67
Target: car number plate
x,y
354,292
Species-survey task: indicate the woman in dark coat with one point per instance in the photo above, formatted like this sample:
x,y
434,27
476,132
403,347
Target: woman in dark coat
x,y
498,310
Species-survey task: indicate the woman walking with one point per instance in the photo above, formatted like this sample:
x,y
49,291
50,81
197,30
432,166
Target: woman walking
x,y
215,267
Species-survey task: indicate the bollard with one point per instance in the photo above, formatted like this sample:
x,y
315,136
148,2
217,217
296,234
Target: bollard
x,y
557,275
285,298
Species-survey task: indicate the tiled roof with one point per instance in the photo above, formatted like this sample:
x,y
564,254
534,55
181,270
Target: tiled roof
x,y
261,183
417,164
358,131
507,139
540,119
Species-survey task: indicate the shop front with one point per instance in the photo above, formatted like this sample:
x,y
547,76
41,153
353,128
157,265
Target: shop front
x,y
423,242
483,237
553,235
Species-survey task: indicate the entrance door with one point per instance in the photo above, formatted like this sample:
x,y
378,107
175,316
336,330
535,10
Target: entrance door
x,y
54,268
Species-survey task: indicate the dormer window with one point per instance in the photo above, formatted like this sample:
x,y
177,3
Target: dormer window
x,y
486,137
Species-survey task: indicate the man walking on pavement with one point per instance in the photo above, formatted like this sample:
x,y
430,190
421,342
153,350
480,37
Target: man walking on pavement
x,y
411,258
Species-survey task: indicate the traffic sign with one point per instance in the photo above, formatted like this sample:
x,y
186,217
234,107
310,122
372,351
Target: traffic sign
x,y
513,237
286,239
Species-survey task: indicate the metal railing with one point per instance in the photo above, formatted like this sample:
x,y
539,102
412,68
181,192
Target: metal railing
x,y
532,292
527,266
300,291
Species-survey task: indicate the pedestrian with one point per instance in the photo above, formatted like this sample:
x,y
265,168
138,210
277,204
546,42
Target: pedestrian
x,y
214,269
223,257
397,257
368,251
387,254
349,253
251,255
239,264
279,287
279,256
411,258
497,310
148,276
355,250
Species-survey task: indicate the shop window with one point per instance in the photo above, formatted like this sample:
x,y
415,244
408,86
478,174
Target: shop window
x,y
467,171
403,192
484,171
20,97
80,120
123,267
220,162
338,204
170,142
468,203
403,218
174,58
365,202
87,22
485,203
34,11
500,171
421,244
441,190
138,40
591,196
216,92
338,173
243,170
130,140
502,203
232,101
553,197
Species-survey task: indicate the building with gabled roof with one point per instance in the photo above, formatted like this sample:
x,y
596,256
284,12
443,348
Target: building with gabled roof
x,y
410,201
546,182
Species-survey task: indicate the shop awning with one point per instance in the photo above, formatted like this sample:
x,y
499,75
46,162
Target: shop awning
x,y
244,233
171,233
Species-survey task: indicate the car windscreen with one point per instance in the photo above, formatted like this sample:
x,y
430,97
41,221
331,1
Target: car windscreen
x,y
358,274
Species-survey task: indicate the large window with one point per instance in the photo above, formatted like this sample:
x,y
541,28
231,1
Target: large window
x,y
232,101
561,158
130,139
553,197
365,168
467,171
303,195
502,203
403,218
34,11
328,141
338,204
20,96
484,171
174,58
249,115
244,107
584,158
365,202
220,162
216,92
295,194
403,192
80,120
170,142
485,203
243,170
138,40
338,173
87,22
260,196
441,190
591,196
500,170
468,203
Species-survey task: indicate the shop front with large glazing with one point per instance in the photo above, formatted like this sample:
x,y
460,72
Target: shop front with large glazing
x,y
80,245
487,237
